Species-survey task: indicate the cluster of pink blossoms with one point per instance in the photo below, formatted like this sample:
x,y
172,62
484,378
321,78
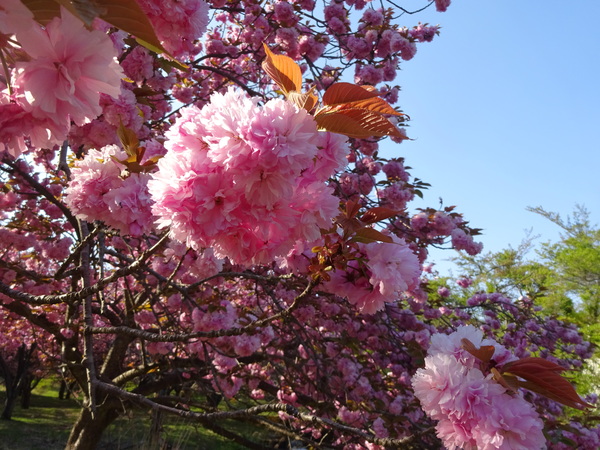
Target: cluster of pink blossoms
x,y
101,189
178,23
245,179
389,270
59,73
473,410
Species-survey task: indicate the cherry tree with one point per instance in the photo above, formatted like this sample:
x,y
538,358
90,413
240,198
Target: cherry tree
x,y
195,210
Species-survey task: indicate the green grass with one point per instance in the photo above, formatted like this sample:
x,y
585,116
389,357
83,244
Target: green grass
x,y
46,424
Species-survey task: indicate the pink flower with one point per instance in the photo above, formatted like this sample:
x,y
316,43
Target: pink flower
x,y
98,192
442,5
178,23
242,178
472,409
69,68
14,17
393,269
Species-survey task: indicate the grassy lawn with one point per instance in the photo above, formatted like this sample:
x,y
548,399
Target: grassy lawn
x,y
46,424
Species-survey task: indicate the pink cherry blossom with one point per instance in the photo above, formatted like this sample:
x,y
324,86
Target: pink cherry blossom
x,y
473,410
73,64
14,17
241,178
98,191
178,23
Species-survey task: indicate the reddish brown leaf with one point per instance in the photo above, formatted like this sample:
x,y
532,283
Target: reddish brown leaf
x,y
43,10
510,382
378,213
544,377
128,16
346,92
306,101
350,96
356,123
376,104
352,209
283,71
123,14
86,10
367,235
483,353
128,138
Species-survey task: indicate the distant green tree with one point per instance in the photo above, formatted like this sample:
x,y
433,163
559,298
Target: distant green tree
x,y
562,277
508,271
575,261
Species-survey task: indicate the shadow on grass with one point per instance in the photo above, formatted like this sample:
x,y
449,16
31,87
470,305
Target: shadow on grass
x,y
46,425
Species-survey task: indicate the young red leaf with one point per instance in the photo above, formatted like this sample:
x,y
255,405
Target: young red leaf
x,y
346,92
510,382
283,71
306,101
483,353
46,10
128,16
544,377
123,14
356,123
367,235
376,214
128,138
350,96
352,209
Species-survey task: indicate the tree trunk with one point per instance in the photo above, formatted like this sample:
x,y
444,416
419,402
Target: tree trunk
x,y
156,428
26,386
13,382
87,430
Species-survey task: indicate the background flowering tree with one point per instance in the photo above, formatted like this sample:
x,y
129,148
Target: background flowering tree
x,y
204,226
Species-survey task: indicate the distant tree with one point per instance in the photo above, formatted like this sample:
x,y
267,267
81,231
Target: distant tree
x,y
562,278
575,263
509,271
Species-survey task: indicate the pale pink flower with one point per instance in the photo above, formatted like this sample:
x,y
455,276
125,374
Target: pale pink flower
x,y
178,23
452,345
69,68
472,409
394,267
240,178
14,17
97,191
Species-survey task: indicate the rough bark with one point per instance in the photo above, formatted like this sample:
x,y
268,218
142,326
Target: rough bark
x,y
87,430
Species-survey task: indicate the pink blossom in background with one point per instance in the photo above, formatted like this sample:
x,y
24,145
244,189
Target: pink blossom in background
x,y
442,5
473,410
391,270
178,23
98,191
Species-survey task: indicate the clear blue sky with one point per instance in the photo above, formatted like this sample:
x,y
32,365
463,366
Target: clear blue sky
x,y
505,113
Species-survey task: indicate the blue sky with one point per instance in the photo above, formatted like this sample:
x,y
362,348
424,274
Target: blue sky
x,y
504,108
